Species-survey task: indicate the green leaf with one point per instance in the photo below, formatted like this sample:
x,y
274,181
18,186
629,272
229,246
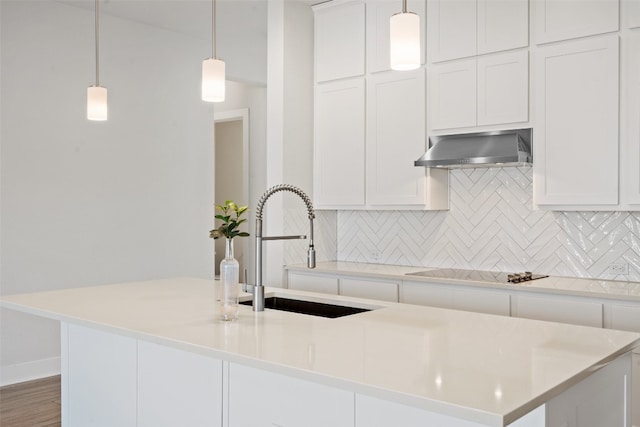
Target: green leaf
x,y
243,234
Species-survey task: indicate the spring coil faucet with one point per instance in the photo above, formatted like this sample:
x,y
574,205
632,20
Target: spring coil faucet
x,y
258,289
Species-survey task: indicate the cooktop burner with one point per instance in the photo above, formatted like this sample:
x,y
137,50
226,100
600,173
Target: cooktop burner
x,y
479,275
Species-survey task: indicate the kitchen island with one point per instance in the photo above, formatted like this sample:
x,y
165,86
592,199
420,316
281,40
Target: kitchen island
x,y
154,353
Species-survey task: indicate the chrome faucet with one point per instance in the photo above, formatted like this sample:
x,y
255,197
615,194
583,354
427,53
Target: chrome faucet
x,y
258,289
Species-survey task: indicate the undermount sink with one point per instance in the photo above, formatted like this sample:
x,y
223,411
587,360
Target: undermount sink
x,y
312,308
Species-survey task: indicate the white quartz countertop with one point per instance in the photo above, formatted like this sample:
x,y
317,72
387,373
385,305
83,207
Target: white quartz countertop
x,y
598,288
484,368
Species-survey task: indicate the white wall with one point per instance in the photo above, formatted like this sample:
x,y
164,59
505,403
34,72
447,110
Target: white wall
x,y
86,203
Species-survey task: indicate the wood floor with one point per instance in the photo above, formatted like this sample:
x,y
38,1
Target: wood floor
x,y
31,404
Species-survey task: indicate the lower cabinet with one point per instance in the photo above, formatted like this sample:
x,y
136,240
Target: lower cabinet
x,y
373,289
258,398
111,380
559,309
312,283
177,388
98,378
457,298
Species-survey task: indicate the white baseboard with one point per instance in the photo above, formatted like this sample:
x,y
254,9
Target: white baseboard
x,y
12,374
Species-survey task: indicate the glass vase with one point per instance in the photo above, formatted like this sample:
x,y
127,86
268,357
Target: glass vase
x,y
229,277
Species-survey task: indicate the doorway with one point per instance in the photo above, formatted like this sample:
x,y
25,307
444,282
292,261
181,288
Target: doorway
x,y
231,180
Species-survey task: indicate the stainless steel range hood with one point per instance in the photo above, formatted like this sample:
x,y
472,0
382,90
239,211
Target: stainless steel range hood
x,y
482,149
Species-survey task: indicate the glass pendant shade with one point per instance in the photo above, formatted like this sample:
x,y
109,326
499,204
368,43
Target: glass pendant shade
x,y
97,103
213,76
404,42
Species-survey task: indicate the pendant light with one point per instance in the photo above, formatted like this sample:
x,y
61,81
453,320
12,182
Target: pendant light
x,y
213,69
404,41
96,94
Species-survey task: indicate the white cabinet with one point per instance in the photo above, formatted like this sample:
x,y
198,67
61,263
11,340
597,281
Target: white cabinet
x,y
503,88
631,13
491,89
379,13
463,28
482,301
602,399
559,309
339,150
340,40
502,25
421,293
452,29
258,398
631,104
453,94
100,386
576,142
625,317
395,138
371,289
557,20
176,387
313,283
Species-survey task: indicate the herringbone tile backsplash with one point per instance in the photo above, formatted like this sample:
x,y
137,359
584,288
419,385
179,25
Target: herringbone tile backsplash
x,y
491,225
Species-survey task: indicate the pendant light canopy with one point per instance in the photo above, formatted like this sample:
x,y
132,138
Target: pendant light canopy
x,y
404,42
96,94
213,69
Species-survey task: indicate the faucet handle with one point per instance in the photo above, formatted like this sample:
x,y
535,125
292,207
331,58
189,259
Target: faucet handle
x,y
311,257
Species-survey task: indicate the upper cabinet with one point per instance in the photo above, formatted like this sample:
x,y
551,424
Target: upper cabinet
x,y
631,124
339,145
340,41
487,90
576,135
631,12
369,124
379,13
464,28
557,20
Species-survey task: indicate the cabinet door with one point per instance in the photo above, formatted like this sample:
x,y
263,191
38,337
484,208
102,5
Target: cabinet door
x,y
631,12
576,143
373,412
556,309
503,88
101,385
561,19
259,398
379,13
453,94
339,40
177,388
373,289
601,399
339,152
313,283
482,301
631,102
625,317
502,25
452,29
395,138
422,293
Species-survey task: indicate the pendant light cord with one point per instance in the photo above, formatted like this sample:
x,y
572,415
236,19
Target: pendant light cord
x,y
213,29
404,6
97,38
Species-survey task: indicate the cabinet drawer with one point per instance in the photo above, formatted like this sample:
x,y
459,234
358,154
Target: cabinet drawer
x,y
625,317
482,301
420,293
373,289
312,283
556,309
